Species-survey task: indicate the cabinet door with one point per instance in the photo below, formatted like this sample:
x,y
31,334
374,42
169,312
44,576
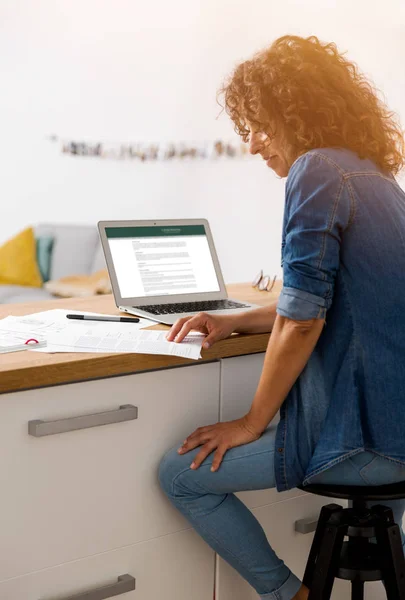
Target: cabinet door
x,y
278,522
179,566
239,379
74,494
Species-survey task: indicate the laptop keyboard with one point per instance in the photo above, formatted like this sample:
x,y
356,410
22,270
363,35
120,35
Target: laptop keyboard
x,y
187,307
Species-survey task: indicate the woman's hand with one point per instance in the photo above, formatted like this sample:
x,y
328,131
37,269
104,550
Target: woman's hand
x,y
219,437
216,327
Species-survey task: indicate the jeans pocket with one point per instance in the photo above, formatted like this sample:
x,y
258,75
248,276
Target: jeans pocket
x,y
381,471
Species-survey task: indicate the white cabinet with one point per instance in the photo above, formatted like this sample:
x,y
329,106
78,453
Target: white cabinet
x,y
179,566
82,508
239,379
75,494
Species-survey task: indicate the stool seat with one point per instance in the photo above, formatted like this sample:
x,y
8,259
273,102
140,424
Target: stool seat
x,y
392,491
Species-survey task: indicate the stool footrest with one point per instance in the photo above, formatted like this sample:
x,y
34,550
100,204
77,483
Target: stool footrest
x,y
359,567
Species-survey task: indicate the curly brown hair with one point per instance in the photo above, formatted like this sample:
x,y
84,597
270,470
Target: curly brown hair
x,y
305,91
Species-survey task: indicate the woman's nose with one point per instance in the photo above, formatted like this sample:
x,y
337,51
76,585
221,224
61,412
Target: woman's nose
x,y
256,142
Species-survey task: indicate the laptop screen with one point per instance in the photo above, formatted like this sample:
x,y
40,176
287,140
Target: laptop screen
x,y
162,261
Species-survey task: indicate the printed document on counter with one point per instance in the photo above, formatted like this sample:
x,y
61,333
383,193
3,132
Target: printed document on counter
x,y
66,335
141,342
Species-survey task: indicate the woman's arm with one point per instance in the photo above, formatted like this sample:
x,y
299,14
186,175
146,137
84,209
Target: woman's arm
x,y
290,346
260,320
219,327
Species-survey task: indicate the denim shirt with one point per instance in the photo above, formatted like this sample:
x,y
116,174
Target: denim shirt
x,y
343,259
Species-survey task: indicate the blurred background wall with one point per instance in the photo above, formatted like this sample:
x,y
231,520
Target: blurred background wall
x,y
101,70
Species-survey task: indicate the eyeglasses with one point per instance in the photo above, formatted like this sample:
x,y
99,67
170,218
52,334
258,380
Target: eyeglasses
x,y
264,282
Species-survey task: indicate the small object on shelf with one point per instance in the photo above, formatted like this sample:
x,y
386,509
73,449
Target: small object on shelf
x,y
257,279
152,151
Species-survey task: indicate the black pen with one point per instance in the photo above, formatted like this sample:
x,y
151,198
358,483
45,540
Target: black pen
x,y
114,319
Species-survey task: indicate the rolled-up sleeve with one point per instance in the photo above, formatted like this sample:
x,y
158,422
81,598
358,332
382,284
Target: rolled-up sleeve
x,y
318,209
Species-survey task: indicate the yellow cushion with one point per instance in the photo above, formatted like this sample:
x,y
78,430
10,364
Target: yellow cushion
x,y
18,260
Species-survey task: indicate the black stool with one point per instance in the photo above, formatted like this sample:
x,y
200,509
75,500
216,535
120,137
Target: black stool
x,y
361,558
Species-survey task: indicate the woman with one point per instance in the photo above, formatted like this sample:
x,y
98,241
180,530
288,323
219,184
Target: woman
x,y
335,363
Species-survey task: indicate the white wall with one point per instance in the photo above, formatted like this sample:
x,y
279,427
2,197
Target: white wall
x,y
131,70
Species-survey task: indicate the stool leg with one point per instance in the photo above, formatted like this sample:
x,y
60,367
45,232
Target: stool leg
x,y
325,514
328,558
391,553
357,590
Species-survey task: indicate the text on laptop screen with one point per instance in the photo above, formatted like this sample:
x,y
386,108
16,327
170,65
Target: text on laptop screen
x,y
162,261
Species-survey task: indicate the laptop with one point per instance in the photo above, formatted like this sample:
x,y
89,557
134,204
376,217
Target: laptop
x,y
165,270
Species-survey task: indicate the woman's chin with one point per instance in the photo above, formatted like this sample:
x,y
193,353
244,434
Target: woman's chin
x,y
281,171
276,165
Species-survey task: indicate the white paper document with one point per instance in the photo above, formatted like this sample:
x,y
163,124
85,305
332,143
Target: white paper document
x,y
55,321
142,342
42,324
68,335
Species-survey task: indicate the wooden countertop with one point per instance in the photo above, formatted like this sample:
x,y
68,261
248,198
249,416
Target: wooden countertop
x,y
28,370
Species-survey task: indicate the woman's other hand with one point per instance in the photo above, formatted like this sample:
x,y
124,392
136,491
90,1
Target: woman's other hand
x,y
215,327
219,437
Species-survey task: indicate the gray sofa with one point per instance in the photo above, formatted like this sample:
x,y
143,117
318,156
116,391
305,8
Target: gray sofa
x,y
76,251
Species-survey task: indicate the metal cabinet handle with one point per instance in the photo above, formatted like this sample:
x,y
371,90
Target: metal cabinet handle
x,y
305,525
125,583
126,412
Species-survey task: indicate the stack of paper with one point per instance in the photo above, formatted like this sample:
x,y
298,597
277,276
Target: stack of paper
x,y
66,335
143,342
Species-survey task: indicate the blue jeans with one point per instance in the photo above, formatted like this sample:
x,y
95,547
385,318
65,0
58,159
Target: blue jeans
x,y
207,500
